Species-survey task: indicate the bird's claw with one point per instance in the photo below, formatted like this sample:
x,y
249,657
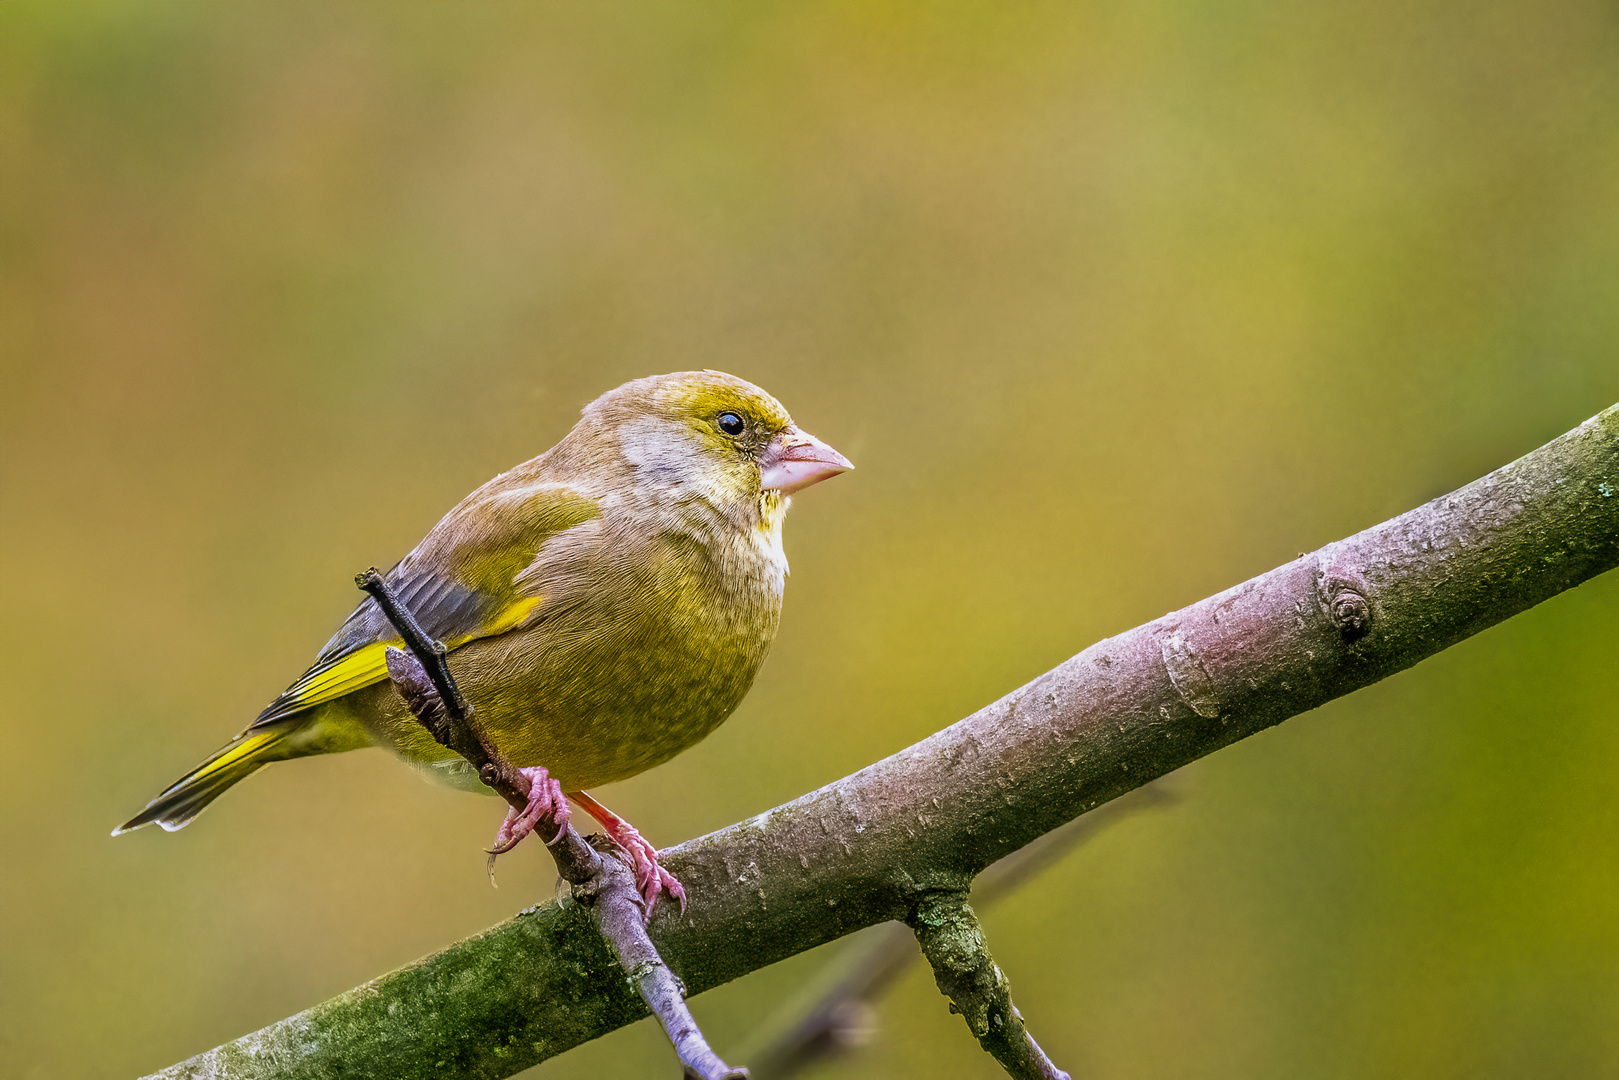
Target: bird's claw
x,y
545,802
650,877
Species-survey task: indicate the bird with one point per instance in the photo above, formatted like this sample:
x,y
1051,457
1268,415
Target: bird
x,y
605,606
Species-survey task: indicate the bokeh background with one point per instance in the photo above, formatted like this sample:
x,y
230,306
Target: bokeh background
x,y
1114,304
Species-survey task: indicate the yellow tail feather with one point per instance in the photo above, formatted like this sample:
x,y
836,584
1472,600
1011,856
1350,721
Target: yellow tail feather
x,y
190,795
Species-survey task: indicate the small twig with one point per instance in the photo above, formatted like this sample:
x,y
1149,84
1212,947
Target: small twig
x,y
430,652
951,939
465,736
842,1016
598,875
621,919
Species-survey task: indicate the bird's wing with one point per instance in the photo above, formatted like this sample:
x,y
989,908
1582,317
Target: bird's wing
x,y
461,583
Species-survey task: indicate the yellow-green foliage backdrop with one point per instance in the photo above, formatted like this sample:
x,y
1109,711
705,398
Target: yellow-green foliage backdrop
x,y
1113,304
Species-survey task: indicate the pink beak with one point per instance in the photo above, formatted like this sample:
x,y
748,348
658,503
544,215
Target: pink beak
x,y
796,459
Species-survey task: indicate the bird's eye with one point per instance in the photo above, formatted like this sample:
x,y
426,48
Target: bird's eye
x,y
730,423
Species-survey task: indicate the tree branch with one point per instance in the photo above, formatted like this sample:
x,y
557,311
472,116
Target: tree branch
x,y
953,942
869,847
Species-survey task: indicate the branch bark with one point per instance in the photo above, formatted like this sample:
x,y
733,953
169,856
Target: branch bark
x,y
948,933
872,846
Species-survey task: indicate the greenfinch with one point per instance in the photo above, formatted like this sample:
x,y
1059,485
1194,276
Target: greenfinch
x,y
606,605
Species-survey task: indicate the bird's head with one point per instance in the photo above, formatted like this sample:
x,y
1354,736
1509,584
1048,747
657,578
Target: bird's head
x,y
711,434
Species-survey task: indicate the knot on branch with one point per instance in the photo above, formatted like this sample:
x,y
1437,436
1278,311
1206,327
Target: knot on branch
x,y
1351,614
1347,597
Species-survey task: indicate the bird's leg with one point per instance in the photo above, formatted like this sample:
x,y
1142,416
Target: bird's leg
x,y
650,878
545,803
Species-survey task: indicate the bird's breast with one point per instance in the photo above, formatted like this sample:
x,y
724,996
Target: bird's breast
x,y
644,642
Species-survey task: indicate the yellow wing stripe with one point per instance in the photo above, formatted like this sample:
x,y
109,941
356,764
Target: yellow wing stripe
x,y
361,667
369,664
515,613
245,747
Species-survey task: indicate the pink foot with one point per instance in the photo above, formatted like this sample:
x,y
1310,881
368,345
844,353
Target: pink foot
x,y
650,878
545,803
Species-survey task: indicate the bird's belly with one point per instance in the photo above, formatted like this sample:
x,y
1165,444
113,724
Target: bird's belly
x,y
635,709
593,709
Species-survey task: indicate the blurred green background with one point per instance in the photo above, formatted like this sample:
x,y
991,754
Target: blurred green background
x,y
1113,304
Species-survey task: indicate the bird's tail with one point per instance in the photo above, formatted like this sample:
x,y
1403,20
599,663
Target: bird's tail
x,y
190,795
